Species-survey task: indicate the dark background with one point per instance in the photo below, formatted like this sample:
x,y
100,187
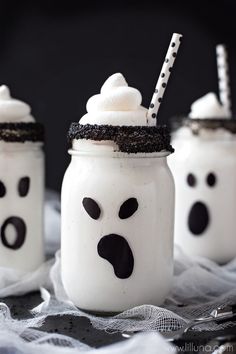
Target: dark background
x,y
55,56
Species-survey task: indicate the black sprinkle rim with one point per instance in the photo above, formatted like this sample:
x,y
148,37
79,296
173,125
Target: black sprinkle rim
x,y
130,139
21,132
196,124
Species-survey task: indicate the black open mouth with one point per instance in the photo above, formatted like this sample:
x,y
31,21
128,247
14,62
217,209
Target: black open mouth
x,y
116,250
20,229
198,219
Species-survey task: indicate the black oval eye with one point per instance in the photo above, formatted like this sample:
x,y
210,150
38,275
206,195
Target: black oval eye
x,y
23,186
191,180
92,208
211,179
2,190
128,208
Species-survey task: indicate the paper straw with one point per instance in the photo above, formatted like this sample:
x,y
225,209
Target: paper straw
x,y
163,79
223,77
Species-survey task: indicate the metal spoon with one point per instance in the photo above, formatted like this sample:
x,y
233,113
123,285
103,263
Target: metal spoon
x,y
220,314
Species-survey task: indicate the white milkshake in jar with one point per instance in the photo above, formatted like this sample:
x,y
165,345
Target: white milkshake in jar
x,y
21,185
117,205
204,170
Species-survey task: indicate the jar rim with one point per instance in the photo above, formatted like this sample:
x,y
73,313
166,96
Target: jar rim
x,y
119,154
15,146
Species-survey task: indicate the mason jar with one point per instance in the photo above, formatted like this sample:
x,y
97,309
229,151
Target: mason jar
x,y
117,229
21,195
204,170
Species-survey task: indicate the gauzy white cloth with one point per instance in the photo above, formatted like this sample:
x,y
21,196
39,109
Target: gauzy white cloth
x,y
19,337
199,286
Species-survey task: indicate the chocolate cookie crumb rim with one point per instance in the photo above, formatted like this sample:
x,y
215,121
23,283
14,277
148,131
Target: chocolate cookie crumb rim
x,y
129,139
22,132
196,124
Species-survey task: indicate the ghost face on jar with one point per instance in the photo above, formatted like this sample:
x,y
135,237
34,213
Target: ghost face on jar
x,y
204,170
113,247
117,222
21,186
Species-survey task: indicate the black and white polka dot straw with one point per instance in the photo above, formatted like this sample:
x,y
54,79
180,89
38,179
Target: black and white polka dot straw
x,y
223,78
163,78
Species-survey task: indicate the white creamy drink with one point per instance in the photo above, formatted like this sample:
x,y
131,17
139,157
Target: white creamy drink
x,y
117,205
21,185
204,169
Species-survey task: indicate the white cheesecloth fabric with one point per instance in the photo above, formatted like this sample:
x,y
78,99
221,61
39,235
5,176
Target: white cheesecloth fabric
x,y
199,287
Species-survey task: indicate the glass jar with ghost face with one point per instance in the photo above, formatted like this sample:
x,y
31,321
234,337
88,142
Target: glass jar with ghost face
x,y
204,170
21,204
117,230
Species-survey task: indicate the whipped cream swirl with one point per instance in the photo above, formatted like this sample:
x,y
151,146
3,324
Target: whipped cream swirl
x,y
208,107
12,110
117,105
